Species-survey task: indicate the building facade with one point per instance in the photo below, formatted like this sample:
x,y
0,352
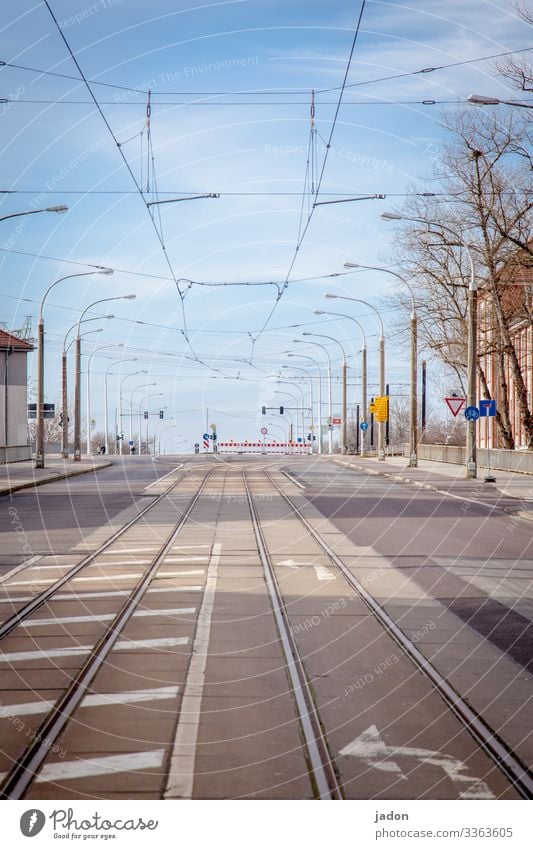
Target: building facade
x,y
14,398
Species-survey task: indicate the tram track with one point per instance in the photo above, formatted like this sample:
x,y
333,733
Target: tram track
x,y
23,771
488,740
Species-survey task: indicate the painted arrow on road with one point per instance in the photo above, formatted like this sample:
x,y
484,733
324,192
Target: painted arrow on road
x,y
373,750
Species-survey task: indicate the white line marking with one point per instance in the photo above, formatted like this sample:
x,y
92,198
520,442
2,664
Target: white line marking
x,y
20,567
323,574
101,766
82,596
103,617
187,558
175,547
293,480
122,645
179,574
93,700
181,771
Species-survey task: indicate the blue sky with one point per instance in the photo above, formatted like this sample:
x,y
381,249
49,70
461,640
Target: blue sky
x,y
247,145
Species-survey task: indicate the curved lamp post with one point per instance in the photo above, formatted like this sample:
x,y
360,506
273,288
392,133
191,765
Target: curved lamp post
x,y
343,381
363,369
77,387
471,449
330,406
413,407
381,425
39,434
319,373
106,421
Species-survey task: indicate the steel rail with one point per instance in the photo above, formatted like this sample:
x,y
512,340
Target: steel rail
x,y
320,764
505,759
11,623
24,770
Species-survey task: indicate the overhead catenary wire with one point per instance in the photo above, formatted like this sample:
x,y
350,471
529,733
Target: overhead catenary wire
x,y
304,230
266,92
124,158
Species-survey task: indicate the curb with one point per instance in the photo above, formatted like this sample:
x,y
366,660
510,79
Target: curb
x,y
526,515
59,476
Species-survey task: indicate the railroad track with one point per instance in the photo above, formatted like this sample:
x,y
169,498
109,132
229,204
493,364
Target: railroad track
x,y
512,767
325,777
28,763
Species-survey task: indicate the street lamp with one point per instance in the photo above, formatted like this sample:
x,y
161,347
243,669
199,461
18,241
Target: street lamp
x,y
77,387
64,398
317,366
88,388
330,413
302,399
141,402
106,422
471,448
343,380
483,100
363,369
413,413
306,372
295,400
132,393
381,429
39,435
122,382
33,211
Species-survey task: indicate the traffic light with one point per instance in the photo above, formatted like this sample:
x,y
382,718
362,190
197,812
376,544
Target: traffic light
x,y
309,437
263,411
146,414
161,414
281,410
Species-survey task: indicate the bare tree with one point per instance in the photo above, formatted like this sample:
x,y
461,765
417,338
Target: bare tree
x,y
517,69
487,184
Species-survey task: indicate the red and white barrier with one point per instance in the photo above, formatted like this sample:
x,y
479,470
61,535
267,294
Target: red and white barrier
x,y
263,448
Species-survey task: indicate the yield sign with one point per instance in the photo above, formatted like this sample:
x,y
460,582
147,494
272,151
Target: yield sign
x,y
455,404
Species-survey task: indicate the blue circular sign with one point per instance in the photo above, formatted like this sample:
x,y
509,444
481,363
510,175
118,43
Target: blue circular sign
x,y
364,425
472,414
299,439
206,435
131,442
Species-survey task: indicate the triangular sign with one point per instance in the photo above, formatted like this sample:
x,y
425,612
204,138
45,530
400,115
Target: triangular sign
x,y
455,404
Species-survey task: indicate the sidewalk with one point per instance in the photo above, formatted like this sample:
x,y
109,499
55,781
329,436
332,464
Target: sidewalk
x,y
512,491
15,476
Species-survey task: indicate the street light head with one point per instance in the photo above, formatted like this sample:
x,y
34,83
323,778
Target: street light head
x,y
104,271
129,297
329,295
391,216
305,333
108,316
296,340
482,100
61,208
352,265
320,312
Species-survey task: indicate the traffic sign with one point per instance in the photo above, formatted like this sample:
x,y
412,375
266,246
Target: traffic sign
x,y
196,444
264,431
206,436
380,408
455,404
487,407
364,425
472,414
131,442
336,421
299,439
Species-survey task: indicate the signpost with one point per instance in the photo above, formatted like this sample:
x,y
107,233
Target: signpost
x,y
264,431
380,408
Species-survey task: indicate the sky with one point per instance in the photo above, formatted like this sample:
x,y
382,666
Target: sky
x,y
230,114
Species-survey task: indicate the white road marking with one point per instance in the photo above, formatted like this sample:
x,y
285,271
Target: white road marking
x,y
181,770
293,479
103,617
197,545
93,700
122,645
79,580
371,747
134,762
323,574
20,567
292,564
187,558
179,574
110,594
